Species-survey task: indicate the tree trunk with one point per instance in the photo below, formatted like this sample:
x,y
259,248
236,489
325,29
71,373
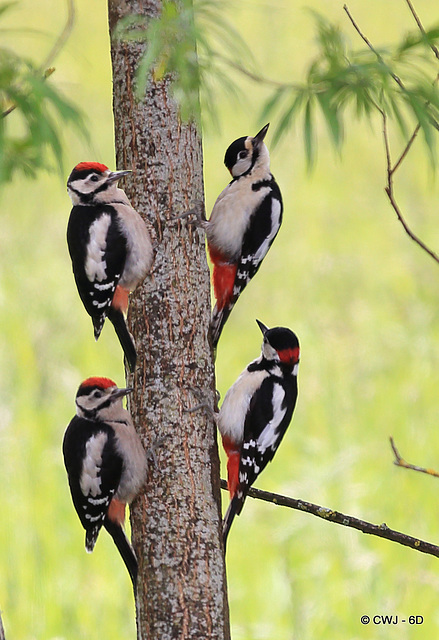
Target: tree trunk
x,y
2,631
176,523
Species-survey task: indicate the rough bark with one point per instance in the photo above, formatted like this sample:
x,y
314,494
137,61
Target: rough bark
x,y
176,521
2,631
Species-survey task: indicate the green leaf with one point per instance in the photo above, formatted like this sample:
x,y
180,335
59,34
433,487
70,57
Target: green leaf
x,y
332,116
308,130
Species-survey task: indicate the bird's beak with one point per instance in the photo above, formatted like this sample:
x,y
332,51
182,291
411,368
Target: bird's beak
x,y
119,393
114,176
259,137
261,325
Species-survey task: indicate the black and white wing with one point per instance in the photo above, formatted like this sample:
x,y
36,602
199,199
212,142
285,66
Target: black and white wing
x,y
94,471
269,415
270,412
98,251
258,238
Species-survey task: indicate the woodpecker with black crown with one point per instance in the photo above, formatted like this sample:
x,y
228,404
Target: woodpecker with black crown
x,y
256,412
106,464
244,222
110,248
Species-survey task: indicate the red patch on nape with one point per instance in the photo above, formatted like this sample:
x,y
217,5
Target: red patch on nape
x,y
233,460
223,278
91,166
116,512
289,356
102,383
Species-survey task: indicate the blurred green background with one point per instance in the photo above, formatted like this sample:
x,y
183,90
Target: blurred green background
x,y
360,295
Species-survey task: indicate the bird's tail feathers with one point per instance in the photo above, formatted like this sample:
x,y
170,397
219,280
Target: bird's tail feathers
x,y
217,322
117,319
91,535
125,549
98,323
228,519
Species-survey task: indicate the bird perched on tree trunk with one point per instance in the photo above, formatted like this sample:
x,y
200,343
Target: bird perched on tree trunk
x,y
106,464
256,412
110,248
245,220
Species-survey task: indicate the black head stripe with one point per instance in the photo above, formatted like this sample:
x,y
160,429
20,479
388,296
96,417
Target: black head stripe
x,y
281,338
232,152
81,175
86,390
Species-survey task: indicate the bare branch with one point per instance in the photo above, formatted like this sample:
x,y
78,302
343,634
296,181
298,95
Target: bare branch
x,y
372,48
406,149
421,28
400,462
61,39
53,53
379,530
254,76
390,192
391,169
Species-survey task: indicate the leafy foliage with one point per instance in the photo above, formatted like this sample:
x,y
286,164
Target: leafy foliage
x,y
185,43
32,115
397,82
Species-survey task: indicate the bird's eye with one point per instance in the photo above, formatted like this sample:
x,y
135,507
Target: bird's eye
x,y
94,178
97,393
242,154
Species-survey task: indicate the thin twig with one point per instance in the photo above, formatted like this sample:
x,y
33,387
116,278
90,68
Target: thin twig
x,y
53,53
254,76
400,462
379,530
372,48
62,38
390,192
391,169
406,149
421,28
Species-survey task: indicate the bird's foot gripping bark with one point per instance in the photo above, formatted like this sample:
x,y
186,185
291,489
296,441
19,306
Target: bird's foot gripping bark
x,y
203,403
198,211
151,451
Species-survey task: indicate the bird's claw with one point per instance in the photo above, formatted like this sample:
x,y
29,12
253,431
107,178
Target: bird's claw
x,y
151,451
203,403
197,210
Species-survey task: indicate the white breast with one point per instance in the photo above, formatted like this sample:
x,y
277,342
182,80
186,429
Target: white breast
x,y
130,448
139,247
236,403
231,215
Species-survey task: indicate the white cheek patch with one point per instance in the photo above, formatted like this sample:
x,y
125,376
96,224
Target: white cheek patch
x,y
241,166
90,482
95,265
269,435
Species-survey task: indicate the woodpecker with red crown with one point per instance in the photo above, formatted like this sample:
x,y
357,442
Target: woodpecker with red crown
x,y
106,464
110,248
256,412
245,220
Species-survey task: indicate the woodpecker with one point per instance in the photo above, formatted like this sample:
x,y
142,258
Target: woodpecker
x,y
245,220
109,245
106,464
256,412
